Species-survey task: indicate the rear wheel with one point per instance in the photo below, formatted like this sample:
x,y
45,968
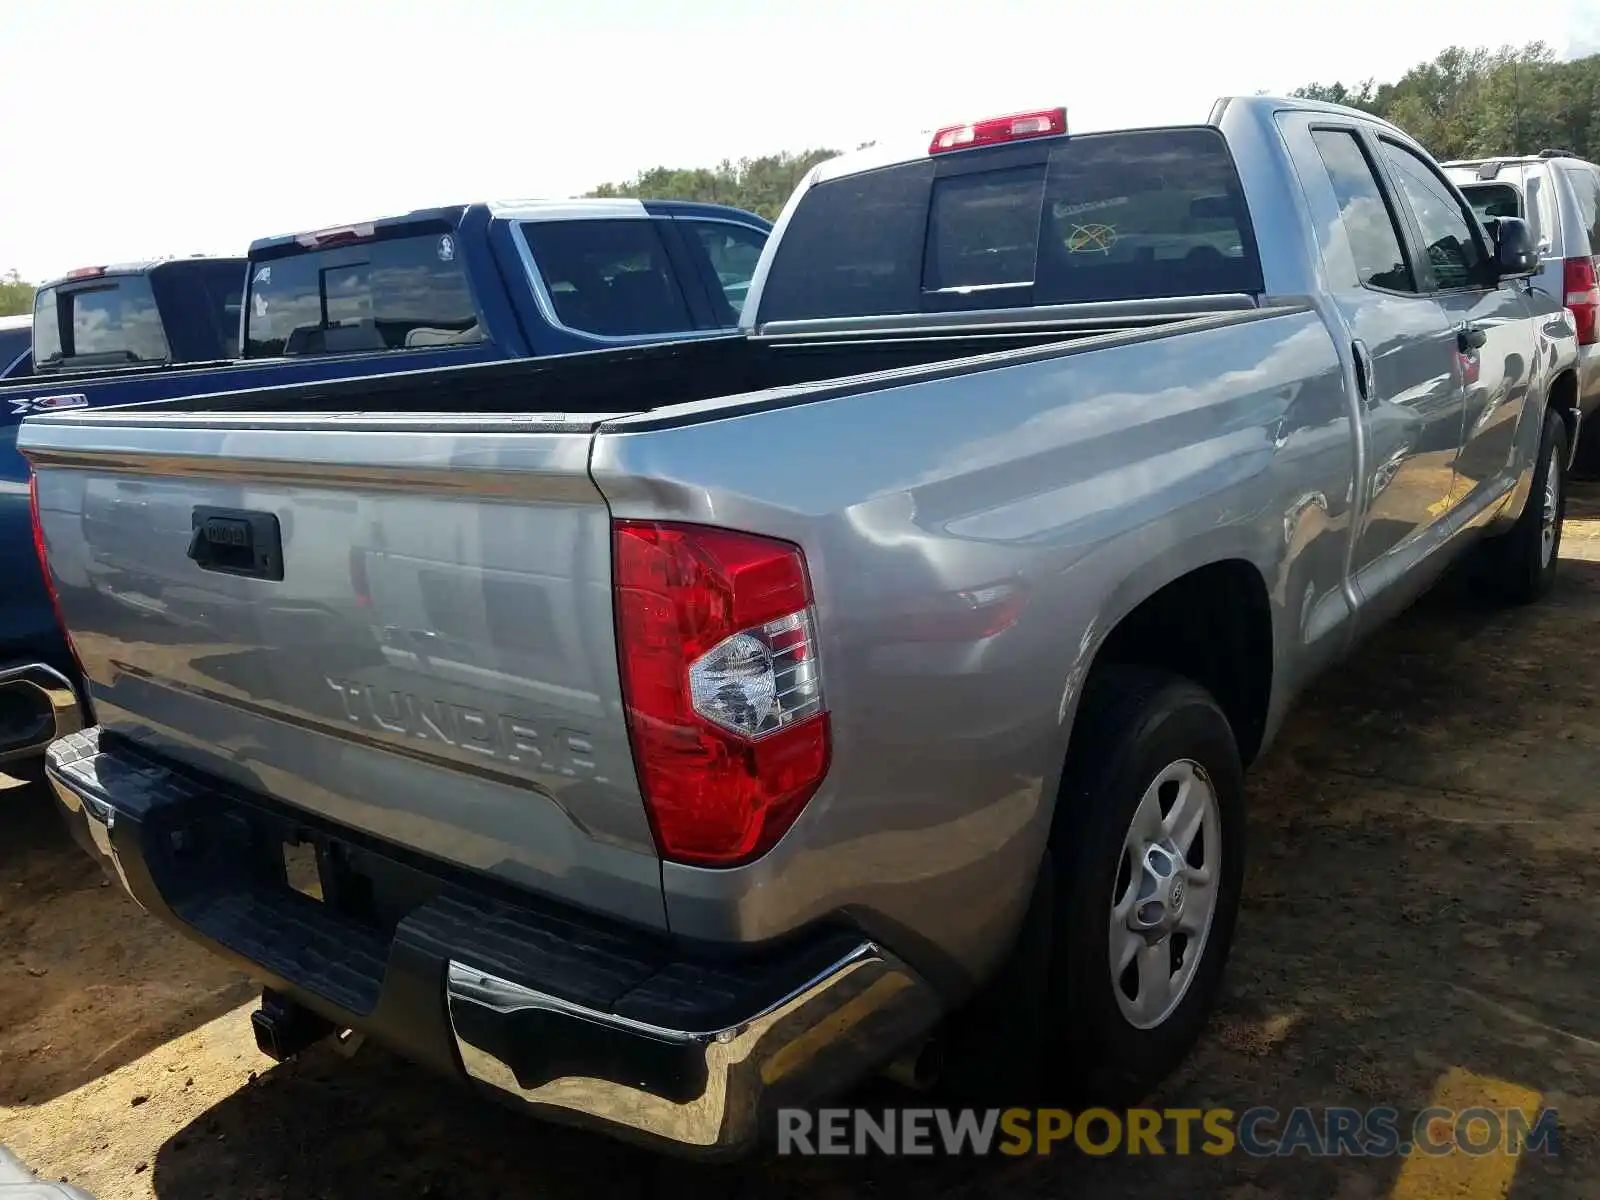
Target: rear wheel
x,y
1520,565
1149,846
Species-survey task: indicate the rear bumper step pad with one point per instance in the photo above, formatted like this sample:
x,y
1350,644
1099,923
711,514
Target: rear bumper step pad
x,y
588,1021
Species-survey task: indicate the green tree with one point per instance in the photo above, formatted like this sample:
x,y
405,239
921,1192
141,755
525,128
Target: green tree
x,y
1470,103
1465,103
15,295
759,185
1360,96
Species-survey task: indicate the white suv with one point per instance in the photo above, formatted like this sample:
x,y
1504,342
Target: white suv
x,y
1558,194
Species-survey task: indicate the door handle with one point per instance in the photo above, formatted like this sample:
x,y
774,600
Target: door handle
x,y
1470,338
1363,362
233,541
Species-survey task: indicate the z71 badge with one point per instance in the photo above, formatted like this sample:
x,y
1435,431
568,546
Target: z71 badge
x,y
36,404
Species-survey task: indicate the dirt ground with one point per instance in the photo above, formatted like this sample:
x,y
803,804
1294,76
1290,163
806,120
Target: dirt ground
x,y
1419,924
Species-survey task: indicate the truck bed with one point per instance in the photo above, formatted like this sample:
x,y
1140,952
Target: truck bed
x,y
663,375
429,655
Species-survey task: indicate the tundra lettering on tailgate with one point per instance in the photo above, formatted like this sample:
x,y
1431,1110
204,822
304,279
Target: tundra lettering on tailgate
x,y
495,735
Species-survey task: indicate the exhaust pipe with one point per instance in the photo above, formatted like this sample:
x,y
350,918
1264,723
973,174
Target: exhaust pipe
x,y
918,1068
37,705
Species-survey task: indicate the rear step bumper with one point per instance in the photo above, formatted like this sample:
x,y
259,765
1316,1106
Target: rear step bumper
x,y
585,1021
38,704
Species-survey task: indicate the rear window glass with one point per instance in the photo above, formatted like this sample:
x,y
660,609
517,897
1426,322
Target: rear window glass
x,y
853,248
1530,201
1490,200
983,230
111,320
398,293
224,288
611,278
1586,187
1131,216
1120,216
731,255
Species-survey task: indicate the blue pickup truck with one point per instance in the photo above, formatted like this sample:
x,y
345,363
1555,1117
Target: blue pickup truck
x,y
110,320
90,331
436,287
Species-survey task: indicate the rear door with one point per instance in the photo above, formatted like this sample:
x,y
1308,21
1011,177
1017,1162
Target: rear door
x,y
1491,324
1404,352
608,279
725,254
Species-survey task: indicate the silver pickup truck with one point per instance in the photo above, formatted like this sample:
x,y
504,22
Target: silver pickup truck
x,y
662,736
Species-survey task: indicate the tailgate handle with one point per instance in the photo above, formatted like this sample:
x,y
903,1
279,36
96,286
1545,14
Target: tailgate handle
x,y
233,541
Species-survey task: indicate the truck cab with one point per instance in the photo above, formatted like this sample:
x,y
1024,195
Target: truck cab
x,y
503,279
144,314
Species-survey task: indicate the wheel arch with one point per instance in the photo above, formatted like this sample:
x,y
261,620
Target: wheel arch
x,y
1562,398
1213,625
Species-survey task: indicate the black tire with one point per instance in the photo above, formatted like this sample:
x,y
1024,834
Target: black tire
x,y
1515,564
1132,724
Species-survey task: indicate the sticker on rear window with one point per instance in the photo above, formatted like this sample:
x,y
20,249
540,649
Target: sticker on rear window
x,y
447,248
1091,239
1070,210
264,275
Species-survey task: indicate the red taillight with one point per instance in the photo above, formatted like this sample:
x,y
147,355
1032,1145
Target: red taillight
x,y
721,685
1017,127
85,272
1583,297
44,566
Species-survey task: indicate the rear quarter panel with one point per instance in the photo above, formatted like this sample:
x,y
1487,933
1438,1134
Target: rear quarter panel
x,y
971,540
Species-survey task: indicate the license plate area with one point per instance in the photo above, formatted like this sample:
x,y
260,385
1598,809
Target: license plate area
x,y
228,847
329,872
302,869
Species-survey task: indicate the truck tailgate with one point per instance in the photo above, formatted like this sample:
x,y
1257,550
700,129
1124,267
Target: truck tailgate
x,y
404,625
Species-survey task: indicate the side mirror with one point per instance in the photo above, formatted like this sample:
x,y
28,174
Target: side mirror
x,y
1515,254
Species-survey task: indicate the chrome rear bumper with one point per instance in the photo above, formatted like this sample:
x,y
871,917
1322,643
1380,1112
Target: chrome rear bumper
x,y
711,1089
690,1049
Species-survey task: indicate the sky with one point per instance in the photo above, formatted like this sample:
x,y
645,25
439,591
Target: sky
x,y
138,130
